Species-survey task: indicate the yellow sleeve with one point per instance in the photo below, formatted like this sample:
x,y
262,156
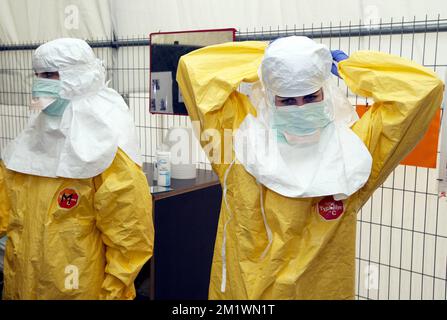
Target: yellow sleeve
x,y
208,79
5,207
406,97
124,217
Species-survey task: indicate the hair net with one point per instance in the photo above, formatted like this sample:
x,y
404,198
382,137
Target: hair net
x,y
81,73
295,66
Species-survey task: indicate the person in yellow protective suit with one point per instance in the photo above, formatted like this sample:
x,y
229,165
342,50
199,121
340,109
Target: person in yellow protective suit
x,y
74,201
283,235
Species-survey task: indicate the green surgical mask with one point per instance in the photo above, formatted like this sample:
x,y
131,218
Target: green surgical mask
x,y
45,89
300,121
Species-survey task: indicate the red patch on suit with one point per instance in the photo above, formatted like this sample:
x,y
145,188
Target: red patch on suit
x,y
330,209
67,199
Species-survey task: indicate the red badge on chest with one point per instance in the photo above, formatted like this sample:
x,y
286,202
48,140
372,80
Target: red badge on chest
x,y
330,209
67,199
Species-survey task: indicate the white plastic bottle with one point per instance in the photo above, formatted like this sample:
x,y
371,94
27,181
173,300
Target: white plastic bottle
x,y
164,168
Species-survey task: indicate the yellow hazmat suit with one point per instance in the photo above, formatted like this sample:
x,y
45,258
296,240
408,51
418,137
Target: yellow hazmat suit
x,y
74,201
75,238
311,256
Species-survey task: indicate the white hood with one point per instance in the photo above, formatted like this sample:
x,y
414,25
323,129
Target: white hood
x,y
335,163
84,141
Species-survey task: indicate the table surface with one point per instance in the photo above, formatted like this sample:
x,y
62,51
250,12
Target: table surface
x,y
204,179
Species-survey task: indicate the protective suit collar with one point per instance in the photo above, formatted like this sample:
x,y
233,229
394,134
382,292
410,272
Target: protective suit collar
x,y
82,143
338,163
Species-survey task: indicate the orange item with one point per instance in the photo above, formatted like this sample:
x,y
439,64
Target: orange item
x,y
425,153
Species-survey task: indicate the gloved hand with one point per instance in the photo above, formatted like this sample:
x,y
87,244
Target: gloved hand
x,y
337,56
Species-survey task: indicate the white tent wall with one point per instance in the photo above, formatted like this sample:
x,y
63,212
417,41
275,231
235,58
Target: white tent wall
x,y
23,21
249,14
402,229
26,21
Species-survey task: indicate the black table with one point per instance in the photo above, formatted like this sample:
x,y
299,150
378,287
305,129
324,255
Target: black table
x,y
185,222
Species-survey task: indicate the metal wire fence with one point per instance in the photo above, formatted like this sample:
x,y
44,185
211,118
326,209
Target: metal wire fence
x,y
401,230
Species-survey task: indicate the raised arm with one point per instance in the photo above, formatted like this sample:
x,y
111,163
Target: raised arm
x,y
208,79
406,97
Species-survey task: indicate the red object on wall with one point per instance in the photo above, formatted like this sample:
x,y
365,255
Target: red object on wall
x,y
425,152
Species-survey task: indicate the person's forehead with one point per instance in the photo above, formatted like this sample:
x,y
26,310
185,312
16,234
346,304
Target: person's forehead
x,y
297,97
